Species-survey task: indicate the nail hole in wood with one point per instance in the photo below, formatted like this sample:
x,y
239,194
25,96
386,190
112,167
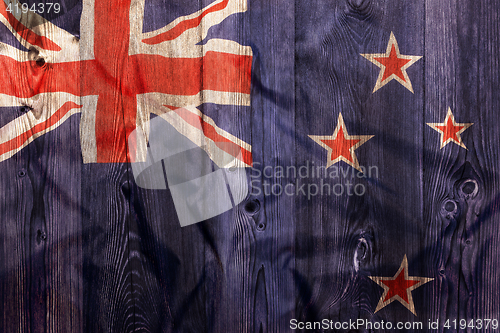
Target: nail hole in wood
x,y
261,227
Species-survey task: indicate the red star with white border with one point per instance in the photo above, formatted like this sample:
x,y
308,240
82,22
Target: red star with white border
x,y
340,145
392,65
450,130
399,287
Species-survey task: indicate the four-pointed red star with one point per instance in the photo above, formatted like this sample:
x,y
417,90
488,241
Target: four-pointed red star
x,y
340,145
399,287
450,130
392,65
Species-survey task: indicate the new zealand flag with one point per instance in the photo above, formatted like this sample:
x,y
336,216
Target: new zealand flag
x,y
249,166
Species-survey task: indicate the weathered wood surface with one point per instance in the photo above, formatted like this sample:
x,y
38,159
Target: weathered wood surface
x,y
84,249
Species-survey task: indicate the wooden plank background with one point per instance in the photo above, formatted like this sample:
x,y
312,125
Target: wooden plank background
x,y
84,249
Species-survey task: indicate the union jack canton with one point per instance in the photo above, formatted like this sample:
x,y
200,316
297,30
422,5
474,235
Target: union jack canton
x,y
116,76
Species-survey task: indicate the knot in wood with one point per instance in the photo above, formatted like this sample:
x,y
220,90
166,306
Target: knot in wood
x,y
24,109
360,6
361,253
356,3
449,209
126,188
469,188
450,206
41,235
40,62
261,226
252,207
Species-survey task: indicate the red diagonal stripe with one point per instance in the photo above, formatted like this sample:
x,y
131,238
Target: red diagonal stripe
x,y
184,25
18,141
27,34
210,132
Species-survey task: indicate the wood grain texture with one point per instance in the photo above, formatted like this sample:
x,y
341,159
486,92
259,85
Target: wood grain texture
x,y
484,227
460,203
84,249
42,248
353,237
17,204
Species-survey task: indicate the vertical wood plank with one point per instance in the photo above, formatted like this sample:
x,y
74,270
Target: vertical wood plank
x,y
459,45
63,230
44,240
346,238
484,228
16,206
248,249
118,294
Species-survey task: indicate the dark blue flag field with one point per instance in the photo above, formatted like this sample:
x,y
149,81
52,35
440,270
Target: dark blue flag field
x,y
249,166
